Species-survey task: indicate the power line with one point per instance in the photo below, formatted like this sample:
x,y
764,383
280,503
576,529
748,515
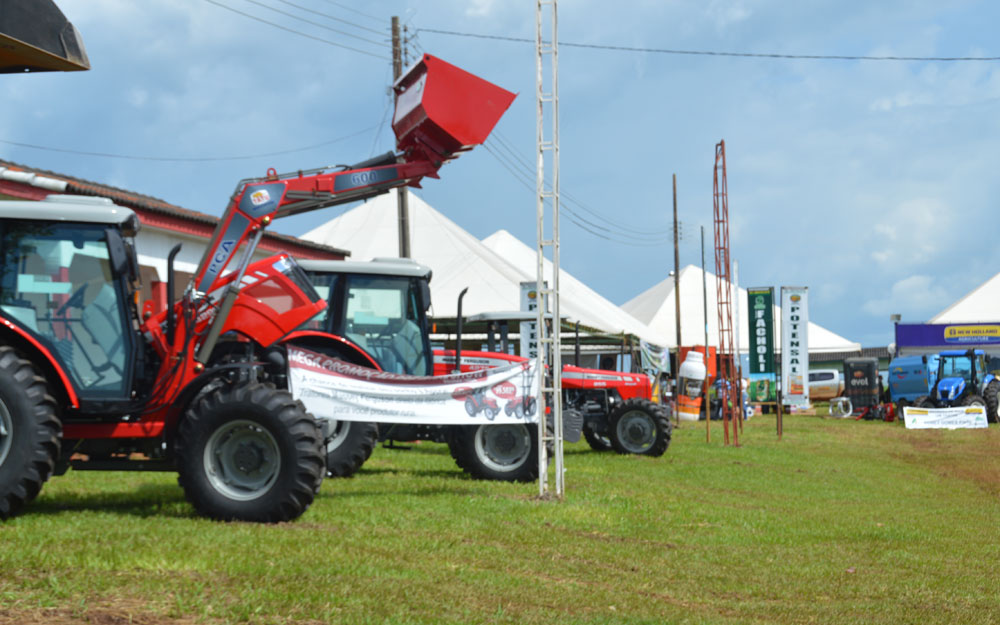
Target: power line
x,y
203,159
353,10
331,17
317,24
295,32
822,57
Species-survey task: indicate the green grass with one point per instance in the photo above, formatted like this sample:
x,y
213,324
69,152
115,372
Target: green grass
x,y
840,522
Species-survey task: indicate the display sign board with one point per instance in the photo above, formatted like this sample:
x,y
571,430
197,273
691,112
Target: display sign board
x,y
795,345
761,315
333,389
946,418
529,329
921,338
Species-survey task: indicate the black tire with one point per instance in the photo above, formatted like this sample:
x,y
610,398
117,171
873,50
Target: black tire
x,y
502,452
992,397
249,452
638,426
30,432
900,405
349,446
597,442
923,402
973,400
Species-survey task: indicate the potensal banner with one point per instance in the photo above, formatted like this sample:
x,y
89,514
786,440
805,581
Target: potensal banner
x,y
333,389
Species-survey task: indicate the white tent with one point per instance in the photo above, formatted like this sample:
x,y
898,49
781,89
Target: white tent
x,y
656,307
978,305
577,300
459,260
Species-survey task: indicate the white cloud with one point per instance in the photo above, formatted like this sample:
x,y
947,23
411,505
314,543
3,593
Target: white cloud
x,y
725,13
914,295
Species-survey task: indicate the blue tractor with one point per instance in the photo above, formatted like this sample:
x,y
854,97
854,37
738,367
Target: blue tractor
x,y
962,380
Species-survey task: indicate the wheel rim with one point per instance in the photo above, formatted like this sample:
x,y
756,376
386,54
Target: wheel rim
x,y
636,431
503,447
242,460
338,434
6,432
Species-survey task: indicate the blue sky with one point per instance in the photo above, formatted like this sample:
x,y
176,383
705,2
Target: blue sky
x,y
870,182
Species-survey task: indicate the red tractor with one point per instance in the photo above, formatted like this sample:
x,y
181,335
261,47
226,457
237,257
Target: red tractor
x,y
89,380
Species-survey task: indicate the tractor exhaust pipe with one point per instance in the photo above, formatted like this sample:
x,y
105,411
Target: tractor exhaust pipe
x,y
171,314
458,333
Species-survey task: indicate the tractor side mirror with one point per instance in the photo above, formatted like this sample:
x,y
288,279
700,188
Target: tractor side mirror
x,y
122,262
425,294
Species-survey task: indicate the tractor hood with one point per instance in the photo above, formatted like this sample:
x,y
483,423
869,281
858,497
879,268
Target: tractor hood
x,y
950,388
36,37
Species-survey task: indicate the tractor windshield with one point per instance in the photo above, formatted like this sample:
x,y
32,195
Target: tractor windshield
x,y
955,367
381,314
56,282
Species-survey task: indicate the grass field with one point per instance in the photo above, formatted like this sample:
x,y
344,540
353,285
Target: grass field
x,y
840,522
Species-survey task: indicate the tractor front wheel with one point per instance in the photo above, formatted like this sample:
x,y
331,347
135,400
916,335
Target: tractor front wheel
x,y
638,426
504,452
924,402
992,398
249,452
974,400
349,446
29,432
597,442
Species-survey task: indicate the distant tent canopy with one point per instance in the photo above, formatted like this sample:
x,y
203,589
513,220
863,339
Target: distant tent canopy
x,y
35,36
656,308
492,269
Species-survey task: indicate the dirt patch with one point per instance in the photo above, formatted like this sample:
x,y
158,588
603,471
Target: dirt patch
x,y
109,615
969,456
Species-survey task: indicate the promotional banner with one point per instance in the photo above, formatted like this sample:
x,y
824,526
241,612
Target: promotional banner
x,y
529,329
761,315
333,389
947,418
654,358
795,345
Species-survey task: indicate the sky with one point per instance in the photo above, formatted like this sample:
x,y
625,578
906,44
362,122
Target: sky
x,y
872,182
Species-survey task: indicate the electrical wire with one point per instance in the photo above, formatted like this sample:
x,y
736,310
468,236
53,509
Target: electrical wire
x,y
295,32
625,229
331,17
353,10
317,24
813,57
204,159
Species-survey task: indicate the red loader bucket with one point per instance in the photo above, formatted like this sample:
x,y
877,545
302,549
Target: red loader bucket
x,y
442,110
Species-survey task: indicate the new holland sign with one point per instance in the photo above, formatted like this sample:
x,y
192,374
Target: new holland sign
x,y
795,345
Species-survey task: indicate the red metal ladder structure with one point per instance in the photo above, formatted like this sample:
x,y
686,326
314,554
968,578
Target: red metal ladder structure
x,y
730,386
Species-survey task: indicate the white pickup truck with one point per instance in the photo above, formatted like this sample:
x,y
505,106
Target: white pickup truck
x,y
825,384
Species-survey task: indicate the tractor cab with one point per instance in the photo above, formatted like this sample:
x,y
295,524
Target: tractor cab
x,y
380,306
67,286
959,371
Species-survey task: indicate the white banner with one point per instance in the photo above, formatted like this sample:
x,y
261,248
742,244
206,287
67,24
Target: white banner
x,y
947,418
333,389
795,345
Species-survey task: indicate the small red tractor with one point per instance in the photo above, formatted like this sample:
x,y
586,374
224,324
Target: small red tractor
x,y
89,379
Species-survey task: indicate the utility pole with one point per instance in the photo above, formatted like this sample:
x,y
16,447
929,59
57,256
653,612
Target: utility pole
x,y
402,193
677,277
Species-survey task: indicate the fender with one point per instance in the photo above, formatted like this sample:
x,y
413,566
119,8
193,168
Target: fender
x,y
332,345
46,357
989,378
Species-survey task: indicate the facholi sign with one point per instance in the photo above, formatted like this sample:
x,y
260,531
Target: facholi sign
x,y
795,345
760,307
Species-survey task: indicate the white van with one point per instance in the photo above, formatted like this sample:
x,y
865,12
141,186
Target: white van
x,y
825,384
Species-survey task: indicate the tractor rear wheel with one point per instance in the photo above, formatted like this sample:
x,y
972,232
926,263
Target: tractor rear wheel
x,y
349,446
249,452
30,432
923,402
992,398
504,452
638,426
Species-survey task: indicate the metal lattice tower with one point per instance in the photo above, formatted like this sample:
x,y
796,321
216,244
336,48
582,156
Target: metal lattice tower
x,y
549,335
730,390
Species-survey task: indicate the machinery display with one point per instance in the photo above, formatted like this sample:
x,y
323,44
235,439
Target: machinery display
x,y
963,379
91,379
